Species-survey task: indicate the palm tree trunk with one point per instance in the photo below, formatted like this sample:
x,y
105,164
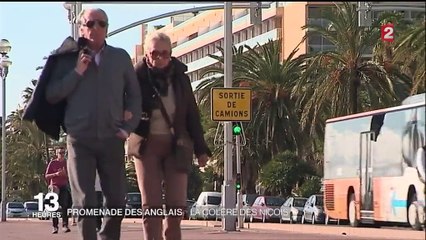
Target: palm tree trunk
x,y
354,92
46,145
249,177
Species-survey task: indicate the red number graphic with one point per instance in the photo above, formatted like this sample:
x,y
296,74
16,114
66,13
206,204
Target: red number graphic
x,y
387,32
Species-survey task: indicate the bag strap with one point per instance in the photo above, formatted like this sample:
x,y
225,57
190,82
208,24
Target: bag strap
x,y
162,107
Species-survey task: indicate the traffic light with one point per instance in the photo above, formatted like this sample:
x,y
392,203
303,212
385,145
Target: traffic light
x,y
238,182
236,128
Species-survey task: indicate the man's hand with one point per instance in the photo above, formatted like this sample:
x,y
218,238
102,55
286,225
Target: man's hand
x,y
127,115
122,134
202,160
82,63
61,172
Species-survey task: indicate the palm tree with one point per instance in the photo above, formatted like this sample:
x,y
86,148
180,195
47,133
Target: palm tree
x,y
385,54
339,81
410,54
274,124
27,158
28,92
271,81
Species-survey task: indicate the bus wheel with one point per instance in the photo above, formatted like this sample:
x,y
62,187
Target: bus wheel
x,y
352,212
413,216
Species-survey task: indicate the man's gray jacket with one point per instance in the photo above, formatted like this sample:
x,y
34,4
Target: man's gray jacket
x,y
92,105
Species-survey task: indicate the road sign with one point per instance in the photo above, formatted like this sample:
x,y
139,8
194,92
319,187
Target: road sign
x,y
231,104
387,32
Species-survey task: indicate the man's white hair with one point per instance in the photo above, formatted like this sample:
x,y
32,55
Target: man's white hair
x,y
81,14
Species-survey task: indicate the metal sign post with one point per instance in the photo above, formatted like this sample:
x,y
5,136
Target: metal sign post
x,y
228,220
239,196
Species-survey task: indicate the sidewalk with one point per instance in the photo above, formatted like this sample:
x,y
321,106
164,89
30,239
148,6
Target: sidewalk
x,y
23,229
131,230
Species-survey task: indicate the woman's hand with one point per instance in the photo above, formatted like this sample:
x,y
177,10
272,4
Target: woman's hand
x,y
202,160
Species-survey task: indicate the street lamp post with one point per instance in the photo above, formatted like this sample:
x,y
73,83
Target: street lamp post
x,y
4,69
73,8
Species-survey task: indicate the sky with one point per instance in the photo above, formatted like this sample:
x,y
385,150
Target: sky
x,y
35,29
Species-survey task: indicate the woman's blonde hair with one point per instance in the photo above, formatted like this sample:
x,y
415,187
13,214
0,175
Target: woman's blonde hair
x,y
156,36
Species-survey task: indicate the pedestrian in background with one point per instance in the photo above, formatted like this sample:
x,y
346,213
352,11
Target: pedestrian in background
x,y
57,178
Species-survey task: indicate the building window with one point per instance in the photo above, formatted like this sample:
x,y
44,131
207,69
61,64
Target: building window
x,y
217,45
415,15
257,30
243,35
314,38
236,38
264,26
315,15
192,36
200,52
271,24
250,32
194,55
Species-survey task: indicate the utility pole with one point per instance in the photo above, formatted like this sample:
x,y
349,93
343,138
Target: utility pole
x,y
228,190
78,7
238,183
364,14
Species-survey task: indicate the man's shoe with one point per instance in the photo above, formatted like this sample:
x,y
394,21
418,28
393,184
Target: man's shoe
x,y
73,224
66,229
55,230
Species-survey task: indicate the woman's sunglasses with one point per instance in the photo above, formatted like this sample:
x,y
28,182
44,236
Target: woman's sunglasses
x,y
160,54
91,23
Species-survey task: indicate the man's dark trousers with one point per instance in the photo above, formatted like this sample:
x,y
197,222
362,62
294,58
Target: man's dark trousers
x,y
64,199
85,155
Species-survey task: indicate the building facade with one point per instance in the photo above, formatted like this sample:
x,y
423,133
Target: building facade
x,y
194,36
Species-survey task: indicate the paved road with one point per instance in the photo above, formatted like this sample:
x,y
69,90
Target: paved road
x,y
132,229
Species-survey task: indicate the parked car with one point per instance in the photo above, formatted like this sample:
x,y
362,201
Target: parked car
x,y
292,209
248,200
15,209
187,211
266,208
314,209
207,206
30,208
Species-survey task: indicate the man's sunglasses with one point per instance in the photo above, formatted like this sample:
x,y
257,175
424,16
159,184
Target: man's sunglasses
x,y
91,23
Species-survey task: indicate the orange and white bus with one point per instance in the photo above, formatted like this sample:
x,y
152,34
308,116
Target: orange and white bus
x,y
374,165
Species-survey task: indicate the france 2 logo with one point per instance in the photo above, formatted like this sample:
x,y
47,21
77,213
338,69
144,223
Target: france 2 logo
x,y
387,32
